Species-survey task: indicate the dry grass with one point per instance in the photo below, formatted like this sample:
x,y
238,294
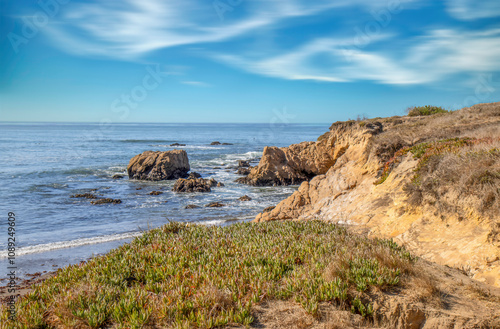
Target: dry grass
x,y
453,177
479,121
460,181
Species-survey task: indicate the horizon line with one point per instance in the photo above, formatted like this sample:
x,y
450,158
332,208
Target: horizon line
x,y
127,123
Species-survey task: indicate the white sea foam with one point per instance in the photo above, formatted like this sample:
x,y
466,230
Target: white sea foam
x,y
242,156
70,244
211,222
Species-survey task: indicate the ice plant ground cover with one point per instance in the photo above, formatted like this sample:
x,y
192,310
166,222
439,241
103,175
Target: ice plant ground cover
x,y
197,276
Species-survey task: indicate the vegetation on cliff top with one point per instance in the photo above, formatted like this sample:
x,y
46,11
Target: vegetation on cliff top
x,y
468,168
425,110
198,276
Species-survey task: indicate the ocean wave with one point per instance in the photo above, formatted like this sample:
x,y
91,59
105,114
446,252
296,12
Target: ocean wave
x,y
70,244
189,147
146,141
242,156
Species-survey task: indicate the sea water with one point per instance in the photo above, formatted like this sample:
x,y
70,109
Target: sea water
x,y
43,164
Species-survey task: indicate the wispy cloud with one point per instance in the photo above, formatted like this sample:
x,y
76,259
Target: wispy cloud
x,y
473,9
435,56
132,28
196,83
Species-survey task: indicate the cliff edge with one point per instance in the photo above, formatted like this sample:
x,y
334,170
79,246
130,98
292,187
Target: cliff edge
x,y
429,182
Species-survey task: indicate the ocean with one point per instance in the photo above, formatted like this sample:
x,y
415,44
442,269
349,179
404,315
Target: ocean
x,y
43,164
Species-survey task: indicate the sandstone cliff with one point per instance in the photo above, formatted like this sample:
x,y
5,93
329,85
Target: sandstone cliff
x,y
431,183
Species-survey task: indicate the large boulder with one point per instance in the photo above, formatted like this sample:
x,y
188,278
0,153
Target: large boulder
x,y
290,165
194,185
155,166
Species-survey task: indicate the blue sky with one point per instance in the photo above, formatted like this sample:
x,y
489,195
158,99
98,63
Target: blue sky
x,y
293,61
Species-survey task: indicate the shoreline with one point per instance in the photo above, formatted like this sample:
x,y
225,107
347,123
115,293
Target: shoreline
x,y
25,287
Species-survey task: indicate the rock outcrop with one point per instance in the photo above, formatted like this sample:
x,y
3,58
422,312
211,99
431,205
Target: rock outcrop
x,y
156,166
243,171
297,163
368,175
245,198
194,185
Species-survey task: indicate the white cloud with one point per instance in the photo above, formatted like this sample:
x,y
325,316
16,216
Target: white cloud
x,y
473,9
434,57
132,28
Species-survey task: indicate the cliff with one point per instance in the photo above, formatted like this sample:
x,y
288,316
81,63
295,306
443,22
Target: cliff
x,y
431,183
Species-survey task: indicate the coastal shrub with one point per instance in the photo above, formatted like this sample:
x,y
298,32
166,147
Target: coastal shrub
x,y
424,152
467,170
197,276
425,110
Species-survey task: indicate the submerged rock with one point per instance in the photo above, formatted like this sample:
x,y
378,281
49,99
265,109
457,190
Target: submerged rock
x,y
84,195
194,185
215,143
118,176
219,184
193,174
177,144
106,200
191,206
215,205
245,198
243,163
155,166
155,193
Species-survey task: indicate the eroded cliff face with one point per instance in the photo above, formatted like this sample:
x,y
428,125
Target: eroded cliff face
x,y
430,183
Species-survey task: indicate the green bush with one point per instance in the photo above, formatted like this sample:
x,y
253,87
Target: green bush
x,y
425,110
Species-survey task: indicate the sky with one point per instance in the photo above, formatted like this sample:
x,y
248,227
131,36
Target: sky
x,y
288,61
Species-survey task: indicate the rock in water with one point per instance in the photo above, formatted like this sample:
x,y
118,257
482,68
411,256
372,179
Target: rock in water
x,y
243,171
245,198
243,163
291,165
106,200
155,166
215,205
193,185
194,174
